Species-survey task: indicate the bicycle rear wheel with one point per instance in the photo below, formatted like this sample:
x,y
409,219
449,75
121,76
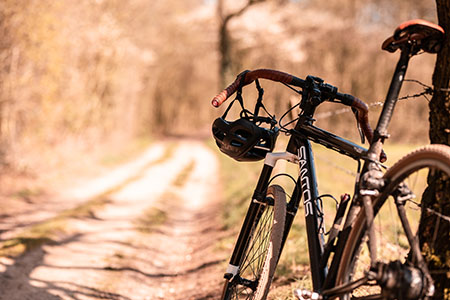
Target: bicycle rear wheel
x,y
260,259
395,210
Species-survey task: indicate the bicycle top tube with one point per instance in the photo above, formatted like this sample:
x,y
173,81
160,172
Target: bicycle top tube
x,y
331,141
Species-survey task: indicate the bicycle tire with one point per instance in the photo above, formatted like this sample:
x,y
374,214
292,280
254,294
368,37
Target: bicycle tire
x,y
425,159
265,244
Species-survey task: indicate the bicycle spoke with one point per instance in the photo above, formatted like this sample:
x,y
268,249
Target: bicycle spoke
x,y
252,253
257,255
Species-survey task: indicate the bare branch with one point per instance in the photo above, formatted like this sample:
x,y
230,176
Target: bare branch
x,y
237,13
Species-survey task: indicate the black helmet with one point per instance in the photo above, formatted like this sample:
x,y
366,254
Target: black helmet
x,y
243,140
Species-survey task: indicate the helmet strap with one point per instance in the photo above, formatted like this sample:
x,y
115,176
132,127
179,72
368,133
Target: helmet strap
x,y
258,104
245,113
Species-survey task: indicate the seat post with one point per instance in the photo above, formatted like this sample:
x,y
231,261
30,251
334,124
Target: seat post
x,y
380,133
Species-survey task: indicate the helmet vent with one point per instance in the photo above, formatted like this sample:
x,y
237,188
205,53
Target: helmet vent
x,y
243,134
236,143
219,134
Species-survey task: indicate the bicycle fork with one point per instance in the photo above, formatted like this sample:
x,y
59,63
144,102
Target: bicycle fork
x,y
254,211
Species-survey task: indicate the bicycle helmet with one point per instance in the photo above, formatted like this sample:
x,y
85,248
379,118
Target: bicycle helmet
x,y
242,139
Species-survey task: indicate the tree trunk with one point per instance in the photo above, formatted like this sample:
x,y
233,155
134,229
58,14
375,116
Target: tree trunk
x,y
437,195
225,42
440,103
225,53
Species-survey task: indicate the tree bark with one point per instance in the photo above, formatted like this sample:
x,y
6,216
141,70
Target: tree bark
x,y
436,245
440,103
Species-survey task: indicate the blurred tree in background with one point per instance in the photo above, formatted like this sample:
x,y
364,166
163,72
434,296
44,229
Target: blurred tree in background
x,y
81,74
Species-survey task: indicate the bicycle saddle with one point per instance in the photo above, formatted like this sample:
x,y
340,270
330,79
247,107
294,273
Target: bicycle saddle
x,y
422,34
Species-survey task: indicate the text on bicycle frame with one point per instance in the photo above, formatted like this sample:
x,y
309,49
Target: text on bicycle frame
x,y
305,181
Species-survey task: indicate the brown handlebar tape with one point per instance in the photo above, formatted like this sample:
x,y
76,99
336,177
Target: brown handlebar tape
x,y
248,78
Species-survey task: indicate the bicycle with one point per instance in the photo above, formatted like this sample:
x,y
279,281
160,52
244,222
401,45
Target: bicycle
x,y
347,262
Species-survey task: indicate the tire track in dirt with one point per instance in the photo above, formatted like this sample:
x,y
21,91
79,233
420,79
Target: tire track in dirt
x,y
19,214
110,257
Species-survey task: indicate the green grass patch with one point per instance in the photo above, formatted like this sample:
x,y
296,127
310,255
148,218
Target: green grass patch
x,y
183,176
86,209
150,219
16,246
28,193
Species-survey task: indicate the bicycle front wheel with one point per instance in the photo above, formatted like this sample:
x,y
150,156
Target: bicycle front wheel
x,y
260,259
399,210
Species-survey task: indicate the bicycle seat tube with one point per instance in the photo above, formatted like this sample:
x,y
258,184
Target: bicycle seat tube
x,y
371,182
380,133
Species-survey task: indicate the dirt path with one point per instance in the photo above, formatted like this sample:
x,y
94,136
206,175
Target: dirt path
x,y
155,238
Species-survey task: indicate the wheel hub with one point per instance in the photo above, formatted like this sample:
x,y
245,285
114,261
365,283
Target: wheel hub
x,y
400,281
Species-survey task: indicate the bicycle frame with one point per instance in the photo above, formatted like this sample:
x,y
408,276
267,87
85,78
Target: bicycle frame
x,y
299,151
306,187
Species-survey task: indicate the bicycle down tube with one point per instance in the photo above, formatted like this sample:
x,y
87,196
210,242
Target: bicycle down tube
x,y
315,226
307,189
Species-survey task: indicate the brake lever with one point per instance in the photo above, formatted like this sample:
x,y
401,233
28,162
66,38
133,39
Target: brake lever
x,y
361,133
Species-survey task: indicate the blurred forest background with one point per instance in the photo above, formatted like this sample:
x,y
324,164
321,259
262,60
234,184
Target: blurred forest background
x,y
82,75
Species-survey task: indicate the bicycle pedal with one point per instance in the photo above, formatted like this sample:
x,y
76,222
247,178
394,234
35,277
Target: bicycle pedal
x,y
306,295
